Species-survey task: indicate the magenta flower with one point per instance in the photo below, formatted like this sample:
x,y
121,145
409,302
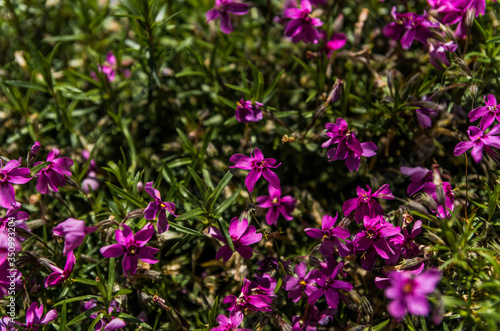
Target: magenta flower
x,y
222,10
74,232
242,236
384,282
382,236
231,323
107,69
420,178
314,317
337,41
365,204
258,166
437,52
330,235
478,139
456,11
248,111
35,318
276,204
52,176
410,26
409,292
17,218
349,148
59,276
158,207
248,299
11,173
302,284
329,286
301,25
5,280
133,247
105,324
442,208
487,113
90,182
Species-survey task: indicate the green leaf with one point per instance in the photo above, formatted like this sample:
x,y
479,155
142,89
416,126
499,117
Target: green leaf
x,y
225,231
273,84
123,291
28,85
191,214
238,88
227,203
218,190
230,104
183,229
39,167
187,145
381,326
190,197
85,281
81,298
111,277
212,314
85,315
132,319
115,190
197,179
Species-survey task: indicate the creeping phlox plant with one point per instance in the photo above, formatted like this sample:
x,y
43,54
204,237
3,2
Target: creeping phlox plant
x,y
223,165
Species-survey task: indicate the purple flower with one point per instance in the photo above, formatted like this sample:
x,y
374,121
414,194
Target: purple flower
x,y
59,276
222,10
231,323
248,300
104,323
5,280
242,236
330,237
107,69
411,26
248,111
478,139
349,148
437,52
33,153
314,317
74,232
11,173
452,12
380,235
52,176
409,248
302,284
384,282
365,204
90,182
276,204
328,285
35,318
301,25
158,207
337,41
133,247
420,178
442,208
489,113
258,166
409,292
17,218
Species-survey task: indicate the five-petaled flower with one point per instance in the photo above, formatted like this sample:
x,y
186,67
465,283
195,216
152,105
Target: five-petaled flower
x,y
230,323
222,10
133,247
301,25
330,235
10,174
248,111
328,285
409,292
158,207
478,140
276,204
248,299
301,284
59,276
52,176
242,236
258,166
365,204
487,113
35,318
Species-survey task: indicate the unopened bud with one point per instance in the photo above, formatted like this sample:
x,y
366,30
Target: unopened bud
x,y
33,153
336,91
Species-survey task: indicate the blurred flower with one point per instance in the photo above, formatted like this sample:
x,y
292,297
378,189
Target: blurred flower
x,y
248,111
420,178
222,10
301,26
133,247
35,318
11,173
74,232
248,300
231,323
108,70
337,41
276,204
158,207
52,176
487,113
437,52
258,166
242,236
33,153
314,317
411,26
5,281
302,284
330,237
478,139
385,282
328,285
59,276
104,323
409,292
365,204
90,182
270,263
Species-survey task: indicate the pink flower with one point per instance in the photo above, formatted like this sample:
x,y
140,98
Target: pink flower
x,y
34,317
158,207
437,52
409,292
248,111
248,299
487,113
478,139
258,166
302,284
301,25
242,236
231,323
337,41
420,178
104,323
276,204
59,276
52,176
5,280
365,204
133,247
222,10
328,285
330,235
107,69
74,232
11,173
